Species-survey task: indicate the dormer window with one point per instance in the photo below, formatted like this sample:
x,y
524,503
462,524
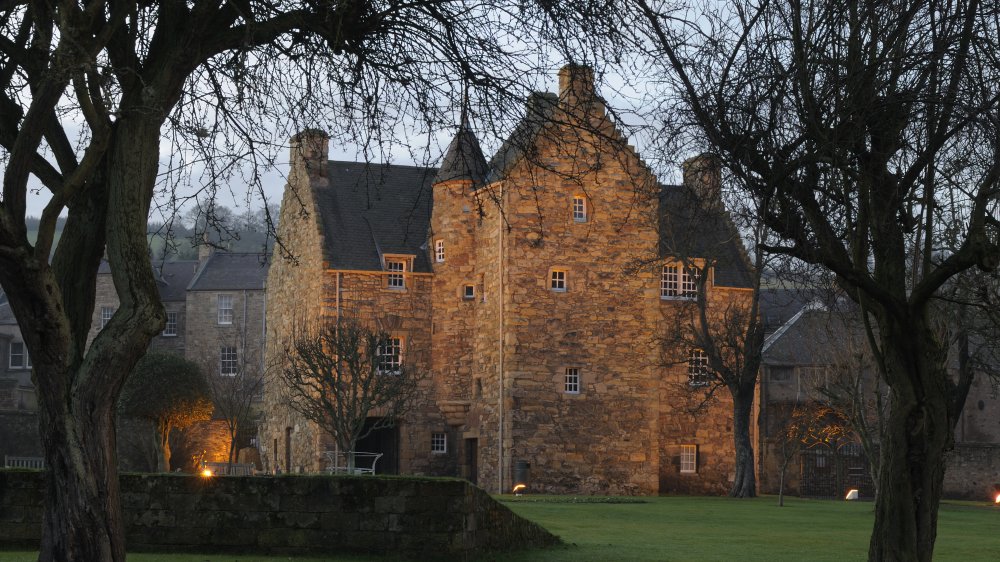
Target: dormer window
x,y
679,282
580,208
397,266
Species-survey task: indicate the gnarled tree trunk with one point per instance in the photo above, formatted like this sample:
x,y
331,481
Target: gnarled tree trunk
x,y
745,482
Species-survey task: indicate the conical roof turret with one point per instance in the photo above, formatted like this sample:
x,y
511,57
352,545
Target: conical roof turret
x,y
464,159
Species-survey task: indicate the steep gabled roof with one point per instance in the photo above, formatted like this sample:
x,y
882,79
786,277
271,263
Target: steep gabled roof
x,y
463,160
231,271
7,315
370,210
688,228
541,108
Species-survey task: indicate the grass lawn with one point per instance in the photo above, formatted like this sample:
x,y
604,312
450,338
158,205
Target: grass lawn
x,y
697,529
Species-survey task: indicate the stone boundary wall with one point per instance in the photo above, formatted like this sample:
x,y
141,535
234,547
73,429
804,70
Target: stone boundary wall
x,y
417,517
973,472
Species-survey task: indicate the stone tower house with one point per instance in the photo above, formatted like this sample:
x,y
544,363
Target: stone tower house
x,y
534,288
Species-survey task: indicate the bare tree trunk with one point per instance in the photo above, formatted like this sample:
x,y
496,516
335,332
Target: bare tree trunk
x,y
81,481
918,432
162,439
745,482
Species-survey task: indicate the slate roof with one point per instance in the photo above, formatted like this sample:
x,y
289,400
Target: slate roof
x,y
6,314
688,228
374,209
174,278
463,160
540,110
231,271
810,338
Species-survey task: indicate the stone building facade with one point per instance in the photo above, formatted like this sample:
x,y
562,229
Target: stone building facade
x,y
533,288
818,344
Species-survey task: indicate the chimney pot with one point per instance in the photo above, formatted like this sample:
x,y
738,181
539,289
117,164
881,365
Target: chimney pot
x,y
309,150
576,89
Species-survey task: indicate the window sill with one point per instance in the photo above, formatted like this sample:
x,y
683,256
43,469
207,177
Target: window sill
x,y
678,298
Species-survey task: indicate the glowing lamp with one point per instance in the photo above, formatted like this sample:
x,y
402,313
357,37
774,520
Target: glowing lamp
x,y
518,488
852,495
996,500
206,473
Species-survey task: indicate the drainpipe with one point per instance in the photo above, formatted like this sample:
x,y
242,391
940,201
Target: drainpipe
x,y
501,387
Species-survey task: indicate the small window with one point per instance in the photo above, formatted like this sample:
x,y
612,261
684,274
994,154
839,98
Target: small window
x,y
396,278
228,361
439,251
689,459
781,374
699,374
678,282
571,384
225,305
106,313
469,292
390,356
557,280
170,329
439,442
579,208
19,358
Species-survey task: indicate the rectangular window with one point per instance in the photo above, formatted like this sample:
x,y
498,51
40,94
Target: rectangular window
x,y
225,309
579,208
390,356
689,459
19,356
699,374
469,292
227,361
679,282
170,329
439,443
439,251
572,381
106,313
395,279
557,280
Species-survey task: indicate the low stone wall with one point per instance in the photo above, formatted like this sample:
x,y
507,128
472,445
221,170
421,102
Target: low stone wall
x,y
973,472
419,517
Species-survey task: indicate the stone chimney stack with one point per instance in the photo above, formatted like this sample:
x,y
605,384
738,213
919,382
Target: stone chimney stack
x,y
577,95
309,153
703,174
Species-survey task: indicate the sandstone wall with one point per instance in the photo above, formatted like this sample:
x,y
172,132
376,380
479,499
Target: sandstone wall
x,y
421,518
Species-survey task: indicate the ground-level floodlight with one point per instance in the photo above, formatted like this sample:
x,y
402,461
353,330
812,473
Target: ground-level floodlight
x,y
852,495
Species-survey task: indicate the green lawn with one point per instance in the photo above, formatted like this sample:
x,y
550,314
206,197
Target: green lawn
x,y
698,528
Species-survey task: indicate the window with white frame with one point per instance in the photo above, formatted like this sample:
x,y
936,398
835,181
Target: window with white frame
x,y
557,280
439,442
699,373
18,356
571,381
689,459
678,282
170,328
579,208
106,313
390,356
439,250
396,278
228,361
469,292
225,305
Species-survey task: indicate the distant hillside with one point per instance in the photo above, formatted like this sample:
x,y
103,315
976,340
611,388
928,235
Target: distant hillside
x,y
183,242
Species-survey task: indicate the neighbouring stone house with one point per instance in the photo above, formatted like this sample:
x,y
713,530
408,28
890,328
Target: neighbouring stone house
x,y
810,350
534,289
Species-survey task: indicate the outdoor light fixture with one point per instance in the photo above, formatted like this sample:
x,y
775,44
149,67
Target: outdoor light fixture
x,y
206,473
852,495
518,488
997,500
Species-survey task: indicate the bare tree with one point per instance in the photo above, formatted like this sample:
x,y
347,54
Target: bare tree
x,y
90,90
725,326
808,425
344,374
867,133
